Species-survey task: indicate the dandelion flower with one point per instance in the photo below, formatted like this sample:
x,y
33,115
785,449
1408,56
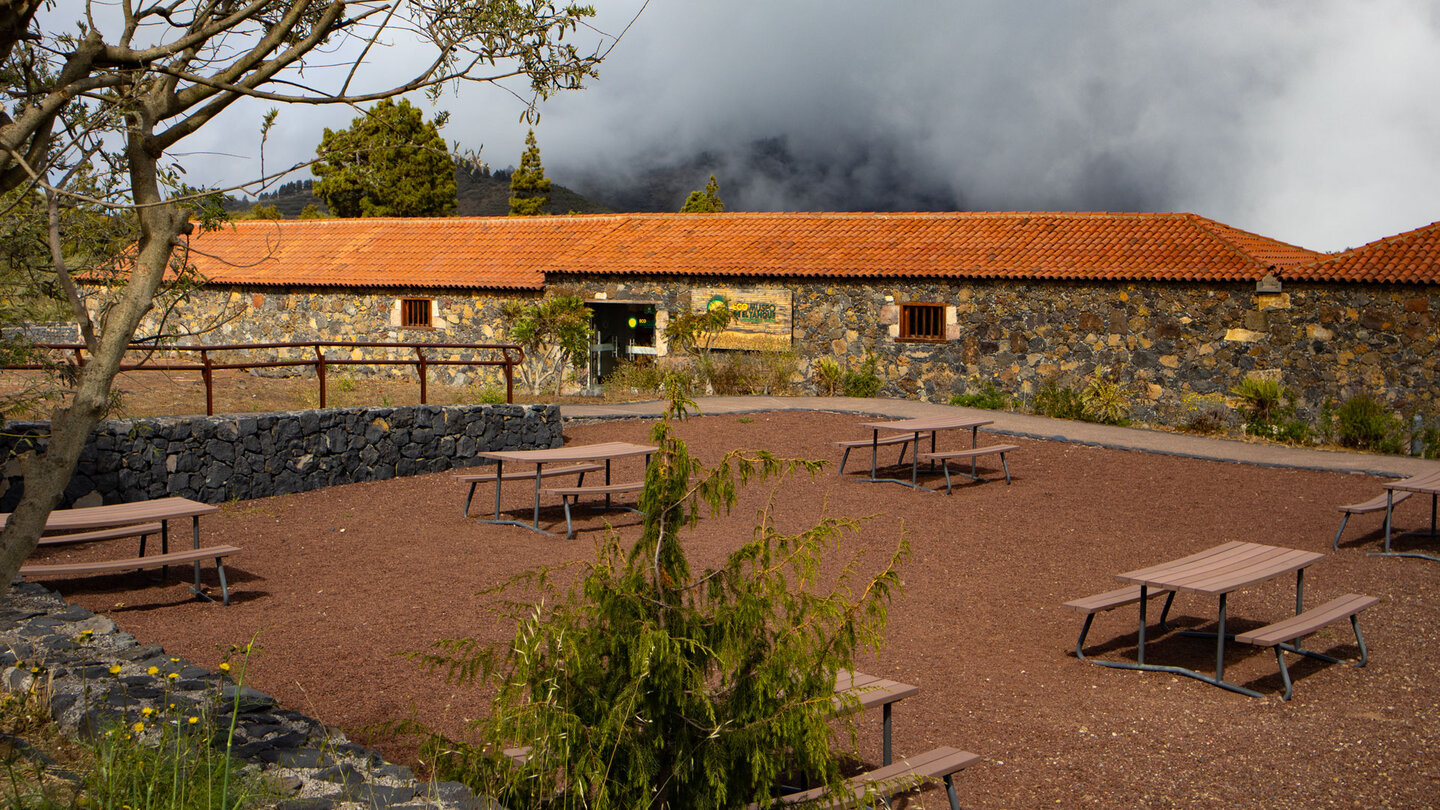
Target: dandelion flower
x,y
225,667
194,720
153,671
147,711
174,676
174,660
115,669
138,727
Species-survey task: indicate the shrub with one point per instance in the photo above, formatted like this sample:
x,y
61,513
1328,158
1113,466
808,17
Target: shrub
x,y
1363,422
1204,413
744,373
1058,401
1103,400
638,376
1260,398
827,376
989,397
649,684
864,381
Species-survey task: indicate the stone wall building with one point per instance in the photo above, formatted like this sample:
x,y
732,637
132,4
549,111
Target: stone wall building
x,y
1175,305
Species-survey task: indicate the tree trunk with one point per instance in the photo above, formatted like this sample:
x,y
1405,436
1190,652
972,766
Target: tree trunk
x,y
47,470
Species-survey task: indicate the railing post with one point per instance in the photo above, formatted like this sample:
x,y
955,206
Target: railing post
x,y
320,371
420,352
509,378
208,374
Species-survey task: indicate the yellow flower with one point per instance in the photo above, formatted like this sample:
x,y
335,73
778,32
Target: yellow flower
x,y
225,667
138,727
174,676
147,711
153,671
194,720
115,669
174,660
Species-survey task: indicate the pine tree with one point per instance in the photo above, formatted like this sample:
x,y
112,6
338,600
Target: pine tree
x,y
704,202
390,162
529,187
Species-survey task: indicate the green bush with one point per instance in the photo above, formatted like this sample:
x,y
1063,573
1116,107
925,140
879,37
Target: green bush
x,y
644,682
638,376
1268,411
1058,401
1103,400
1363,422
989,397
864,381
1204,413
1261,398
827,376
748,373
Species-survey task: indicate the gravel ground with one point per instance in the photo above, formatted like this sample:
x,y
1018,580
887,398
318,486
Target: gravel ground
x,y
337,584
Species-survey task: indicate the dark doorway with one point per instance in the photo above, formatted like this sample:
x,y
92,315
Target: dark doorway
x,y
623,330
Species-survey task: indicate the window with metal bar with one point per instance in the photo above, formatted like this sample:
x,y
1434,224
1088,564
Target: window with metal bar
x,y
922,321
415,312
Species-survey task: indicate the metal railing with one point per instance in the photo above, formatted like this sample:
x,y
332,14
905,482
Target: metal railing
x,y
510,356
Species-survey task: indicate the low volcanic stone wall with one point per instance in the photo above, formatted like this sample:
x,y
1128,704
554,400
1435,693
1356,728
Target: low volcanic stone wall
x,y
97,677
214,459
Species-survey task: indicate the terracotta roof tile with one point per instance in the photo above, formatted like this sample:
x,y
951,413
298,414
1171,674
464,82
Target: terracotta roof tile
x,y
1411,257
518,252
449,252
968,245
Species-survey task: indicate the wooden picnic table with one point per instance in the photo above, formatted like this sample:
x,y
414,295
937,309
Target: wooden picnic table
x,y
1217,572
605,452
869,691
930,424
1424,484
118,515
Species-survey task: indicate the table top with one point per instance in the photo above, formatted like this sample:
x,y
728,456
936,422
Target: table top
x,y
930,423
872,690
570,453
1223,569
1426,482
122,514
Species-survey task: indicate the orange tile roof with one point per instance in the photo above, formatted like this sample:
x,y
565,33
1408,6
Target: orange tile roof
x,y
1410,257
933,245
518,252
440,252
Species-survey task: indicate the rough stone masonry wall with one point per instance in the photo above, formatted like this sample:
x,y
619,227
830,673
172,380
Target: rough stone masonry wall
x,y
1164,341
221,315
214,459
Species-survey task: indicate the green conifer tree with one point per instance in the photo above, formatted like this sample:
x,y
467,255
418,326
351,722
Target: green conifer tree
x,y
391,162
529,187
704,202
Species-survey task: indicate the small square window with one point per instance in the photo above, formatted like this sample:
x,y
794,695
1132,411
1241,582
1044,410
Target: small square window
x,y
922,321
415,312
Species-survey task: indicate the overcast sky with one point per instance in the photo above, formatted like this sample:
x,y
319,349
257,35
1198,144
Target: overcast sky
x,y
1311,121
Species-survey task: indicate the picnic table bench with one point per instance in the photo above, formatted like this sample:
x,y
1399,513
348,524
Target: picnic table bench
x,y
1379,503
194,555
474,479
140,530
569,494
904,440
905,774
1101,602
1303,624
971,453
122,520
